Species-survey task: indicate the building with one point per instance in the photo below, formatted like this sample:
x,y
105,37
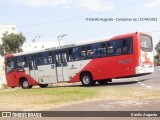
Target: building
x,y
38,44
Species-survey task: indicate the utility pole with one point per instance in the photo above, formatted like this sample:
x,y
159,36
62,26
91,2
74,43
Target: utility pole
x,y
60,37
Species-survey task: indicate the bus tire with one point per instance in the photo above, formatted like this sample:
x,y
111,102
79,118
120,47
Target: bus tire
x,y
25,84
102,82
87,79
43,85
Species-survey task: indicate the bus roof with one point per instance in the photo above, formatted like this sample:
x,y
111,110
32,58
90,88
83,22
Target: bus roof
x,y
76,44
59,47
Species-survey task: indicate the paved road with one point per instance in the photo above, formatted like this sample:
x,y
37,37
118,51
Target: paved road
x,y
151,81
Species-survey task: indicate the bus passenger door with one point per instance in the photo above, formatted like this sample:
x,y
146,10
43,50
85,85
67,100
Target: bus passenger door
x,y
33,70
46,68
61,66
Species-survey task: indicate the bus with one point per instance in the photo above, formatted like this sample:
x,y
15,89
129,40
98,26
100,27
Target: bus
x,y
100,61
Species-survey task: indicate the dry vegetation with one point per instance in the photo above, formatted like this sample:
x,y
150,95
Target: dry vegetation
x,y
42,99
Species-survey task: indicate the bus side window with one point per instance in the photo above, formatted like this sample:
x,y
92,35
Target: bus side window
x,y
25,61
58,60
110,51
21,61
34,61
30,65
102,50
124,48
96,50
118,47
70,55
129,45
79,53
43,58
64,59
83,53
90,52
51,58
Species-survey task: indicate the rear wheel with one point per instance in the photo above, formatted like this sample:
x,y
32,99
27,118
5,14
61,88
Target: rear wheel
x,y
87,79
25,84
43,85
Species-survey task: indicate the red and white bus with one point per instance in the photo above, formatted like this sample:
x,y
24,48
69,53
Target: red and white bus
x,y
99,61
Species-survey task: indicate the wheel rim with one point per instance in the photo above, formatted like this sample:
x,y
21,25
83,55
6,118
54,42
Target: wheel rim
x,y
25,84
86,80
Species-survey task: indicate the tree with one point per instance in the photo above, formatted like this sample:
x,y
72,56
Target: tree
x,y
12,43
157,47
157,56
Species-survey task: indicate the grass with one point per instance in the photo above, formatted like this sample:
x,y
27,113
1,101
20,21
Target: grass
x,y
40,99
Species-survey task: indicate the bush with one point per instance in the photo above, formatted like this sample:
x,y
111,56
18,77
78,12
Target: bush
x,y
4,86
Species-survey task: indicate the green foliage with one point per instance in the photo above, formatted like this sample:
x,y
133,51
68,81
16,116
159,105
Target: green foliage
x,y
11,43
157,47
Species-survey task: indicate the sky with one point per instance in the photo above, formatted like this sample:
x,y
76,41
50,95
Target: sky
x,y
81,19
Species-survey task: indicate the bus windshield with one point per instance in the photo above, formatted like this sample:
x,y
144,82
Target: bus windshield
x,y
146,43
10,65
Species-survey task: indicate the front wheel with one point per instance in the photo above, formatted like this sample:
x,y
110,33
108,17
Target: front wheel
x,y
25,84
87,79
43,85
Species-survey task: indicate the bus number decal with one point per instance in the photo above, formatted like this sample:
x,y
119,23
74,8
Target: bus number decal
x,y
125,61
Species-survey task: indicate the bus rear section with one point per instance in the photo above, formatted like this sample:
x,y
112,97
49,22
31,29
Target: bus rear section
x,y
146,64
123,56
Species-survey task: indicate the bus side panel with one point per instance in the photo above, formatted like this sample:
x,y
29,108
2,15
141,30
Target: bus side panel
x,y
113,67
109,67
31,80
118,66
75,68
13,79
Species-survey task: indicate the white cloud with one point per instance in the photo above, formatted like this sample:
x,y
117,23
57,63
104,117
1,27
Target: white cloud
x,y
94,5
153,3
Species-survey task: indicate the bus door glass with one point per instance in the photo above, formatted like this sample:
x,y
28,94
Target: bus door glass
x,y
61,66
33,69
